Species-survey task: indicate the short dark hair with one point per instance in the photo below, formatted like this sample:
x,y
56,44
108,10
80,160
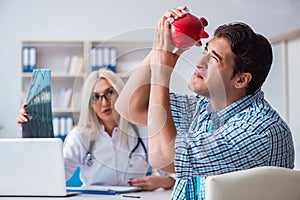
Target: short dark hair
x,y
253,52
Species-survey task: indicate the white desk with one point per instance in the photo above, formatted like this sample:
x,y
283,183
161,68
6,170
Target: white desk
x,y
159,194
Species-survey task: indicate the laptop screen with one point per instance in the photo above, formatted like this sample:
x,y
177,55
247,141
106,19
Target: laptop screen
x,y
32,167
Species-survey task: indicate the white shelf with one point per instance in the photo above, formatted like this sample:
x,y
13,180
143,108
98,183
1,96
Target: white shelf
x,y
57,76
64,111
130,53
54,54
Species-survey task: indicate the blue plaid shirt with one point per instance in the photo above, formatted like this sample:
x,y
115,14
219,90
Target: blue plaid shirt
x,y
246,134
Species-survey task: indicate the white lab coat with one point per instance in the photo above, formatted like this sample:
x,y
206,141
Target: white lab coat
x,y
111,163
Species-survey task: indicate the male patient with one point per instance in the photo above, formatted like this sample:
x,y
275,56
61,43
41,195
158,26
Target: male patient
x,y
227,126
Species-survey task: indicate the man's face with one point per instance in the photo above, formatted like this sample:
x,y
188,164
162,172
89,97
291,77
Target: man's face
x,y
213,75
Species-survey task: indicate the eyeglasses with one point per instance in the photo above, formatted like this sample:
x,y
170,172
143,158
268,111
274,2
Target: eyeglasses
x,y
109,94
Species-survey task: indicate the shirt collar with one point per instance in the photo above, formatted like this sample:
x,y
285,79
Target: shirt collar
x,y
115,130
225,114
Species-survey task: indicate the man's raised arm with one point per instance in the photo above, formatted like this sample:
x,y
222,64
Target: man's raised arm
x,y
132,104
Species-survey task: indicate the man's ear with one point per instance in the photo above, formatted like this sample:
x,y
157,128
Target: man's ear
x,y
242,80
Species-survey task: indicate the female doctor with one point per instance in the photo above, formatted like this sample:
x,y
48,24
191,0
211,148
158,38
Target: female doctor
x,y
107,148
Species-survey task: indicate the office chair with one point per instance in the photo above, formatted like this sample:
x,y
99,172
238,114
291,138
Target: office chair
x,y
260,183
74,181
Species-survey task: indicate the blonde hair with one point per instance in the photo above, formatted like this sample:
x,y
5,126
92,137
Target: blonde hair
x,y
88,120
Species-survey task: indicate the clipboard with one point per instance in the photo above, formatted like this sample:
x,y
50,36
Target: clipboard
x,y
106,190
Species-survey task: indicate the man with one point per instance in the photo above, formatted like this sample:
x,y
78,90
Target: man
x,y
227,126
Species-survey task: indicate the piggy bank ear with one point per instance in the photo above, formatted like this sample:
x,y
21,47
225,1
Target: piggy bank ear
x,y
202,34
203,21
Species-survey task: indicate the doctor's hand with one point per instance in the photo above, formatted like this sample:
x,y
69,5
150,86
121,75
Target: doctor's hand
x,y
150,183
23,116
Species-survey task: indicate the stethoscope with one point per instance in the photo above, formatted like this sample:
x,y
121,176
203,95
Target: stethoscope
x,y
89,157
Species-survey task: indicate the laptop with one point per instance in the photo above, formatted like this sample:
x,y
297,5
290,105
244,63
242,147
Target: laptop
x,y
32,167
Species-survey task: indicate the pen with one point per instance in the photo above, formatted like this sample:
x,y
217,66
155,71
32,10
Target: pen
x,y
131,196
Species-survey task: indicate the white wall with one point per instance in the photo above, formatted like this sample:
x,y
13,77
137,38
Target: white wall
x,y
275,88
293,61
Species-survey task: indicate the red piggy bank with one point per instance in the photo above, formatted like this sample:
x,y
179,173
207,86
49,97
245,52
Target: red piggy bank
x,y
188,30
